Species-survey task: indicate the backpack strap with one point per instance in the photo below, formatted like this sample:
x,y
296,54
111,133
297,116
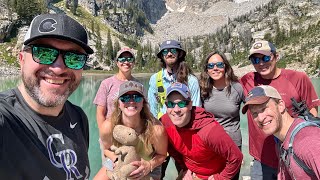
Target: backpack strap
x,y
285,156
161,96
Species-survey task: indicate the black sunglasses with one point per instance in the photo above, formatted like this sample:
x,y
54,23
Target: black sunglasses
x,y
181,104
48,55
218,64
126,98
124,59
172,50
256,60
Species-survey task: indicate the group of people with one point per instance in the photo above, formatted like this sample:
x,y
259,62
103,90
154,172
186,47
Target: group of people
x,y
194,122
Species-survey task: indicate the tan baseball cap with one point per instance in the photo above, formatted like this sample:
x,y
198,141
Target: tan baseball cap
x,y
262,47
131,86
124,49
260,95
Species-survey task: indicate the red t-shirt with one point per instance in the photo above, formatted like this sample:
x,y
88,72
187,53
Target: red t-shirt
x,y
289,84
306,145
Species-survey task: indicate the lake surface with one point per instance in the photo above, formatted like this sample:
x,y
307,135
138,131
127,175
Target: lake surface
x,y
84,96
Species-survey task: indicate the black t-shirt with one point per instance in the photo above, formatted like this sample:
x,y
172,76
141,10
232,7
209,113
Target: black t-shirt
x,y
34,146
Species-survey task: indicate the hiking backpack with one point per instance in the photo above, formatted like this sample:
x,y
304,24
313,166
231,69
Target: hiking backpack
x,y
310,120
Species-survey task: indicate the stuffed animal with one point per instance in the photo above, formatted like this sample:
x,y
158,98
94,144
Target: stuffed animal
x,y
126,153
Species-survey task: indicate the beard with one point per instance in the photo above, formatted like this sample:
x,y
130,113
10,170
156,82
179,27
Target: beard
x,y
53,97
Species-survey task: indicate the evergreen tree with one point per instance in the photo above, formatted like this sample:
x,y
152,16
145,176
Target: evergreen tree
x,y
99,51
109,55
116,47
27,9
139,58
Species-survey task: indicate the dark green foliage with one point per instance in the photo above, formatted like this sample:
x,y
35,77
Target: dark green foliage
x,y
27,9
109,49
116,47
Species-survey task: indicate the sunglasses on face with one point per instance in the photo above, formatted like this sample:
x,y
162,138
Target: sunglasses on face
x,y
256,60
181,104
127,97
166,51
218,64
124,59
48,55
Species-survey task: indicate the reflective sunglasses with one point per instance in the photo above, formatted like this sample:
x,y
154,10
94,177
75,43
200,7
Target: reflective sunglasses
x,y
126,98
48,55
172,50
218,64
181,104
124,59
256,60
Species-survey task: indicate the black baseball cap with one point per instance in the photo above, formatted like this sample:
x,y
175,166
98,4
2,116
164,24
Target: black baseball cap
x,y
58,26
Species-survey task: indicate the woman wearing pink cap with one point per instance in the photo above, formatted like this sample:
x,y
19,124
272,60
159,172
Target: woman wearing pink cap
x,y
109,88
133,111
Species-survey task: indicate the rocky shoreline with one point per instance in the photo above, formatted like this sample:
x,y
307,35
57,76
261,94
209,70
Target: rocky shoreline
x,y
6,71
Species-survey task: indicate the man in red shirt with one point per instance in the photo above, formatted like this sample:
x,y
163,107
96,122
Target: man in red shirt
x,y
197,142
270,115
289,84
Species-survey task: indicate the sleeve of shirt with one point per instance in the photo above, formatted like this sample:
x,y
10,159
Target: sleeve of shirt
x,y
307,92
178,158
195,91
306,145
101,96
152,93
227,149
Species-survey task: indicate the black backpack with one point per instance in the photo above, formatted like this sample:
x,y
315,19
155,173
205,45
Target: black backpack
x,y
310,120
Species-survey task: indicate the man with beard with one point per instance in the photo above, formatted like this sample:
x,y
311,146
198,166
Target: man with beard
x,y
288,83
173,69
42,134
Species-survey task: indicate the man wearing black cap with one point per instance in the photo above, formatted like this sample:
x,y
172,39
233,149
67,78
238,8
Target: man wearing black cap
x,y
174,69
43,135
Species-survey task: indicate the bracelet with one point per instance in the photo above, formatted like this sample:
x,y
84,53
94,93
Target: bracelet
x,y
150,166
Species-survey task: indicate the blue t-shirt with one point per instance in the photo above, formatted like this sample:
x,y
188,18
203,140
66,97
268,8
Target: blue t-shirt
x,y
167,80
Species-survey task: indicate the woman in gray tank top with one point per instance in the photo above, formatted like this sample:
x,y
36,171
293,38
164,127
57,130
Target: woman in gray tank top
x,y
222,94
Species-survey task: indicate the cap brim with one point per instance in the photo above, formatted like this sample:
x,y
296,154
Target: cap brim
x,y
80,43
124,52
179,91
266,53
257,100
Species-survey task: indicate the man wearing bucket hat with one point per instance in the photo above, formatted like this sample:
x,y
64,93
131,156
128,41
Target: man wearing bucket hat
x,y
173,69
299,139
43,135
109,89
263,56
197,142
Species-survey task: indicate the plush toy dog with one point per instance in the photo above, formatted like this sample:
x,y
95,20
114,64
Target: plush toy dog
x,y
126,153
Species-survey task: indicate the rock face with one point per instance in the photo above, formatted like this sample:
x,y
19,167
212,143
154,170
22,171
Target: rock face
x,y
7,21
153,9
189,18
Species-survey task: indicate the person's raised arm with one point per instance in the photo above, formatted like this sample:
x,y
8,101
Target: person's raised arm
x,y
106,139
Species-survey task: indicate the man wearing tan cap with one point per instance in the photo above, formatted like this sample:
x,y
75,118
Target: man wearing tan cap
x,y
299,139
289,83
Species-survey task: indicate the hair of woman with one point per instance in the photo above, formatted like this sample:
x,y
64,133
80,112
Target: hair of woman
x,y
206,82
